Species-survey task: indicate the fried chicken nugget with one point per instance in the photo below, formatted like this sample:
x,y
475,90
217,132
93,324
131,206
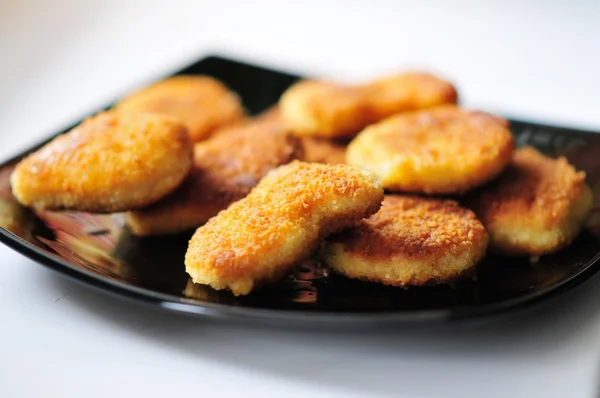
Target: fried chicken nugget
x,y
111,162
226,167
202,103
411,241
282,221
316,150
444,150
317,108
536,207
408,92
329,110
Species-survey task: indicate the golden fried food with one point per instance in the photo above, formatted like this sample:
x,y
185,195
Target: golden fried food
x,y
317,108
316,150
202,103
226,167
319,150
408,92
443,150
111,162
410,241
537,206
282,221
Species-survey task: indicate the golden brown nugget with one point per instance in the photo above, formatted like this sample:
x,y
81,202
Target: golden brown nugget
x,y
318,150
329,110
226,167
202,103
408,92
111,162
444,150
258,239
317,108
537,206
411,241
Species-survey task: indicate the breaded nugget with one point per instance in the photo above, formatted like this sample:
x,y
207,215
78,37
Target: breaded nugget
x,y
319,150
443,150
407,92
324,109
411,241
537,206
111,162
317,108
202,103
226,167
316,150
282,221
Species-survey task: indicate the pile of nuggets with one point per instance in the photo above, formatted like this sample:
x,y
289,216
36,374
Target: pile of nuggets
x,y
347,172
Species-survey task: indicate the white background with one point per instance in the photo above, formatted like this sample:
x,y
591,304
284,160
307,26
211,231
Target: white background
x,y
64,58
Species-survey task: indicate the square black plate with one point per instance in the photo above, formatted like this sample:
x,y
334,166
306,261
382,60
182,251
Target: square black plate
x,y
97,250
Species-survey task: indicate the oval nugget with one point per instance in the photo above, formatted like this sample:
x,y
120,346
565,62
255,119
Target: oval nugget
x,y
226,167
202,103
410,241
537,206
407,92
111,162
281,222
444,150
329,110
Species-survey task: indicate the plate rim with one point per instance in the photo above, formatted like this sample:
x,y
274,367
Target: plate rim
x,y
225,311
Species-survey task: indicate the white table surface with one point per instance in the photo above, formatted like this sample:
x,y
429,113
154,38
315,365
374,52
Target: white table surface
x,y
62,59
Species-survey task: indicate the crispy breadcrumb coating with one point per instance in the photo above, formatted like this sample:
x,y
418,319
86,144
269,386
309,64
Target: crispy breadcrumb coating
x,y
282,221
410,241
443,150
111,162
537,206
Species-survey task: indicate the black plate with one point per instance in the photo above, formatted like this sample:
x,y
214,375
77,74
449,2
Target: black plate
x,y
97,250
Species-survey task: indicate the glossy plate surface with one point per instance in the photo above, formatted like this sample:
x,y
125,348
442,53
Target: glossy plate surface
x,y
97,250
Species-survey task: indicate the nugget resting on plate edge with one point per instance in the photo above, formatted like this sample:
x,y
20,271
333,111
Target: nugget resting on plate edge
x,y
109,163
537,206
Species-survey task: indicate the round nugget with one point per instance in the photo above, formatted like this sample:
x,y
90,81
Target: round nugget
x,y
537,206
410,241
202,103
111,162
317,108
444,150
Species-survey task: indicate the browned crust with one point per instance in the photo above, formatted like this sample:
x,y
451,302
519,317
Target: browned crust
x,y
332,110
534,197
279,223
443,150
226,167
533,187
111,162
411,232
202,103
